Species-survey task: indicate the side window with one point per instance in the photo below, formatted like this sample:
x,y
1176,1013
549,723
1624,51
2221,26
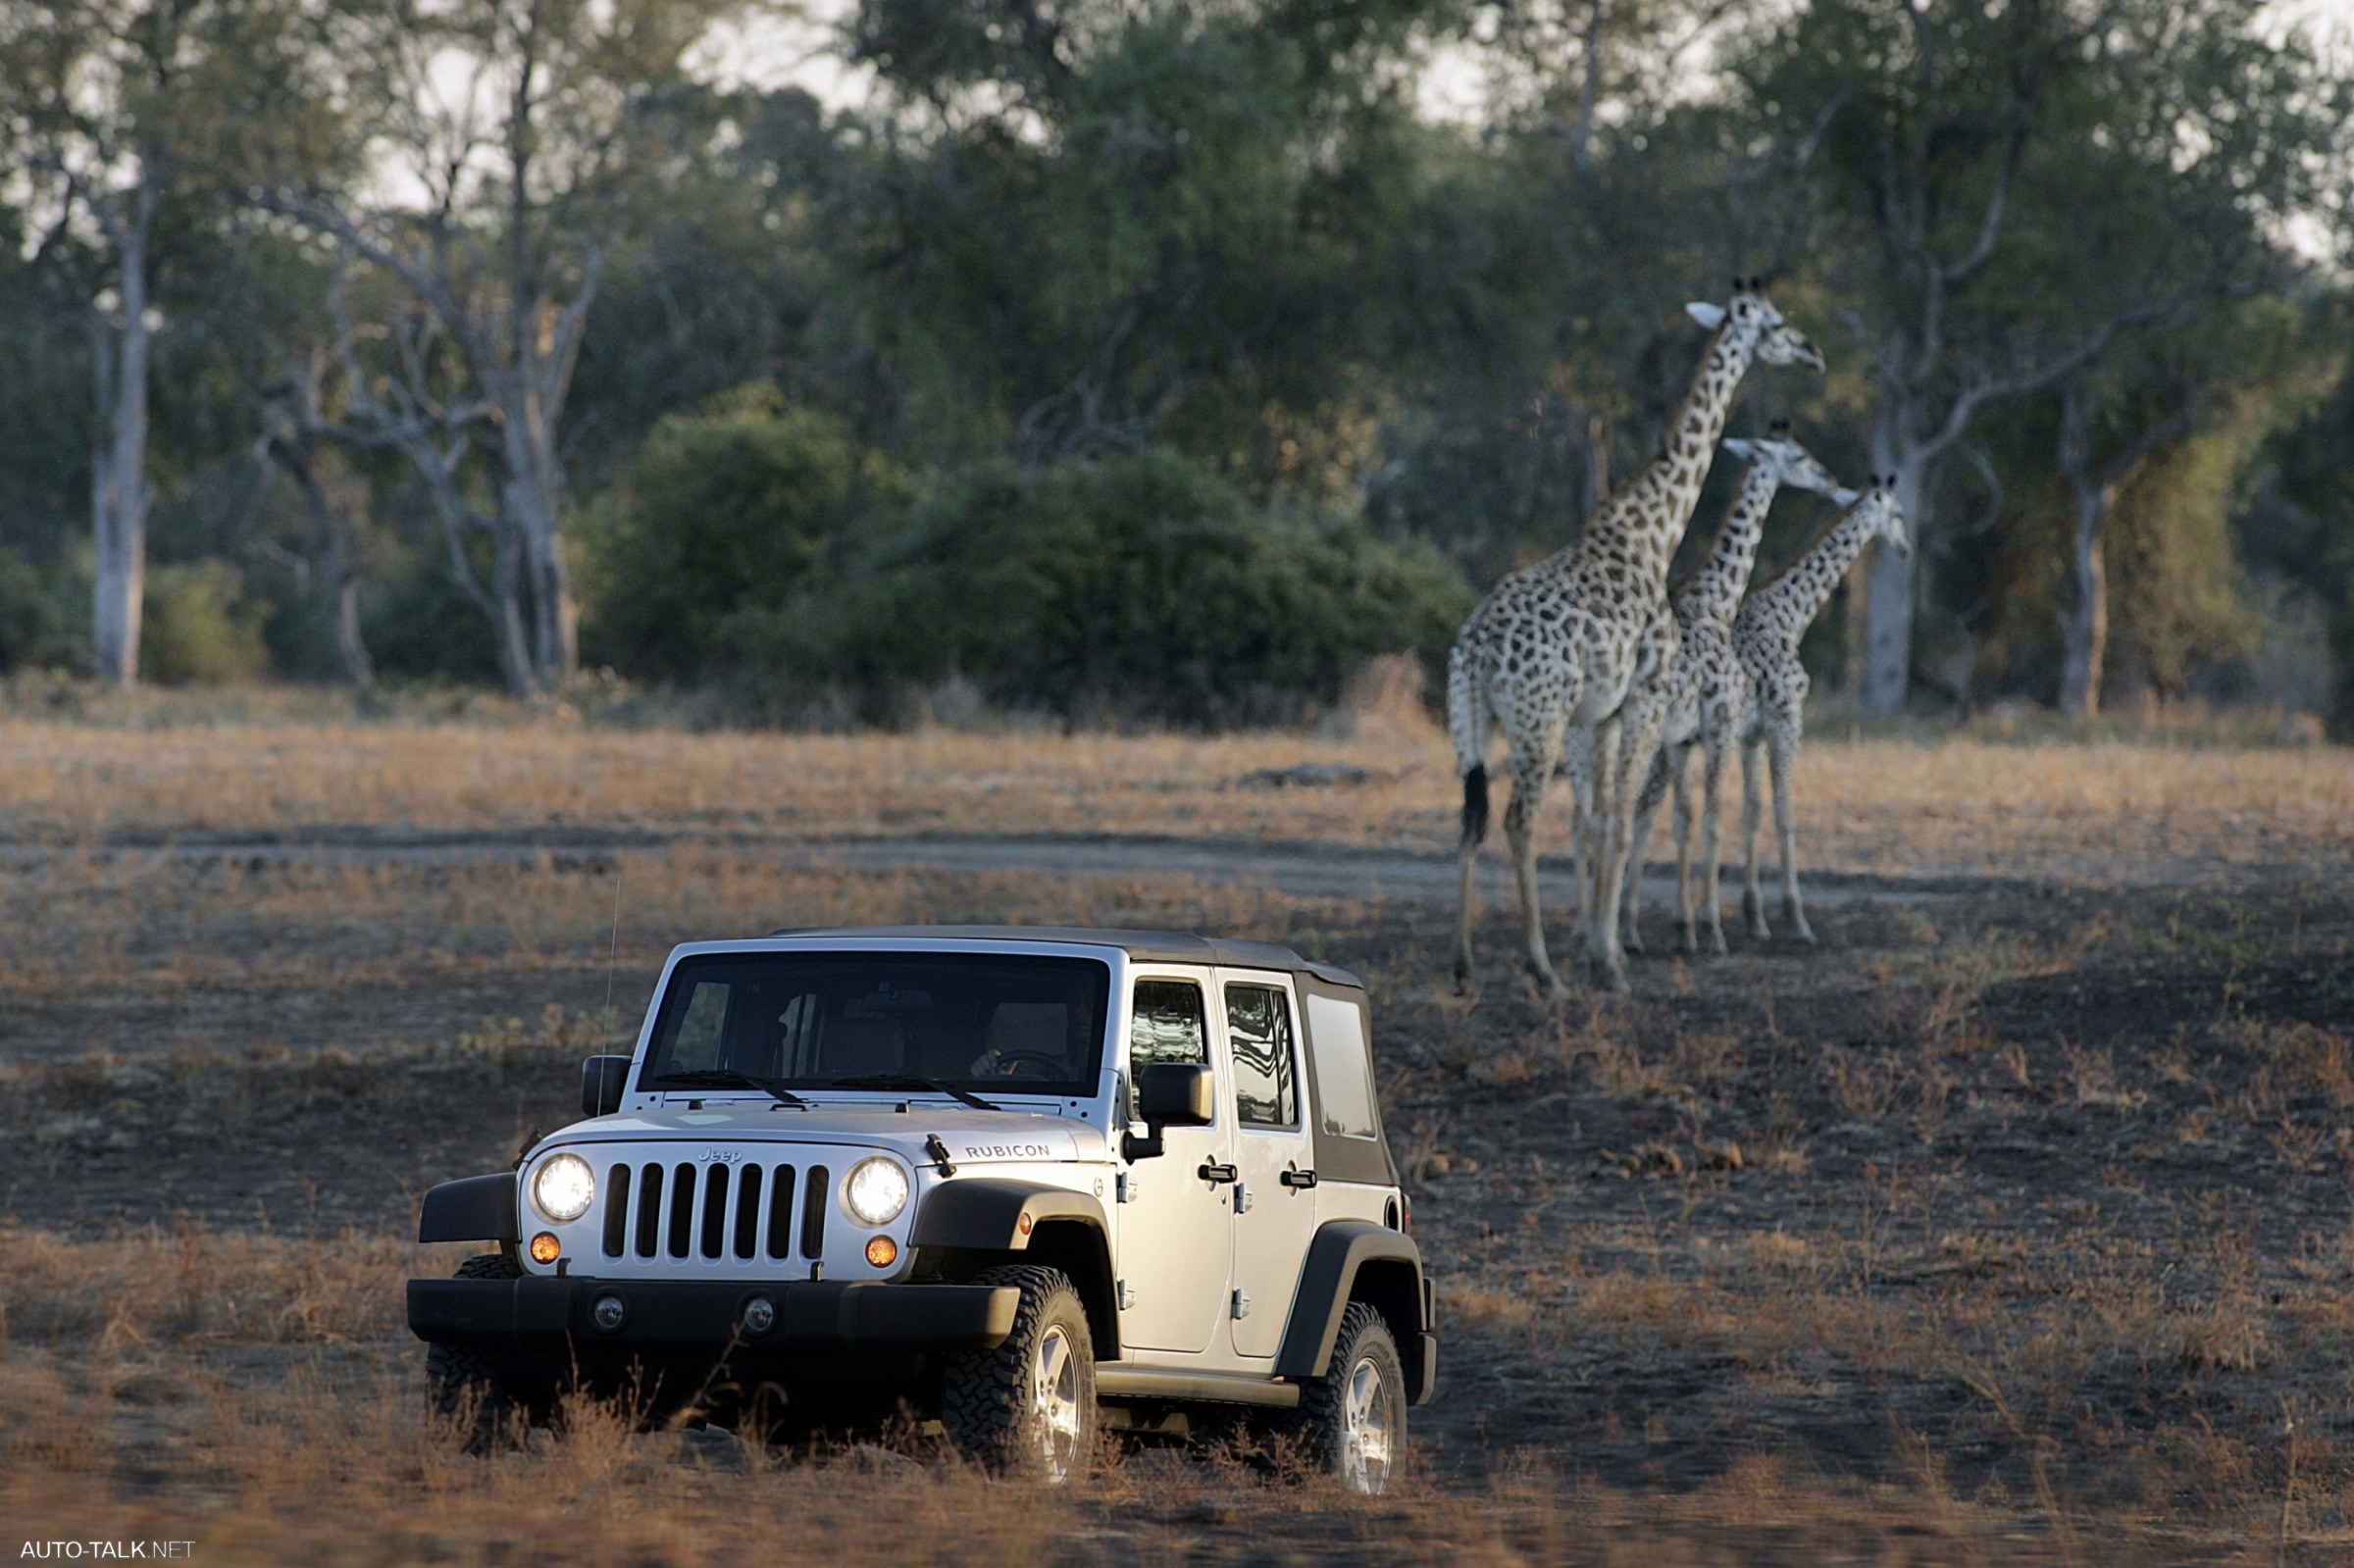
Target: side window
x,y
1167,1027
1336,1033
1258,1026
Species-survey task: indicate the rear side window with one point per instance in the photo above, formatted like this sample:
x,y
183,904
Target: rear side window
x,y
1258,1026
1336,1033
1167,1027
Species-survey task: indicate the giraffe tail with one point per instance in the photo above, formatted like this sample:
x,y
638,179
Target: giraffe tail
x,y
1475,806
1467,725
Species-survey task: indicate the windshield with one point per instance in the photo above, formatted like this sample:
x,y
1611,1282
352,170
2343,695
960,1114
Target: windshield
x,y
1002,1022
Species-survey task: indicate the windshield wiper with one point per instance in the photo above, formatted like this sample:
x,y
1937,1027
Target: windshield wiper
x,y
729,1078
912,1081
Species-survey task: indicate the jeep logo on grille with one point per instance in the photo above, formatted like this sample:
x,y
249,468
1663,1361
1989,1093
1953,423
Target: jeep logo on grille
x,y
723,1156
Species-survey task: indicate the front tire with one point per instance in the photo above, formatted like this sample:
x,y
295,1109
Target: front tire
x,y
459,1386
1027,1408
1352,1421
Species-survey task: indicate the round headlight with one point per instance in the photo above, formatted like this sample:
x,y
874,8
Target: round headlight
x,y
564,1187
875,1191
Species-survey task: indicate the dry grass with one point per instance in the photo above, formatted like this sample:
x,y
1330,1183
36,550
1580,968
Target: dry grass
x,y
253,1395
2004,1226
2110,812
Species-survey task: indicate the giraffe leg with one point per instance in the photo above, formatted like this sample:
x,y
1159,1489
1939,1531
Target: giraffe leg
x,y
1712,803
1589,759
1577,767
1531,766
1684,926
1647,810
1785,748
1753,800
1638,742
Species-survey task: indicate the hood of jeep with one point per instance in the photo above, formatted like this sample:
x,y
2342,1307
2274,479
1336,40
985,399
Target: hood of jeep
x,y
978,1137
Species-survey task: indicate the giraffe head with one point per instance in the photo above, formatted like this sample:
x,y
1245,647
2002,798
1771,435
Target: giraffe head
x,y
1752,313
1886,515
1787,462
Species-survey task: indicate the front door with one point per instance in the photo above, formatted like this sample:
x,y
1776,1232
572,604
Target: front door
x,y
1274,1207
1174,1229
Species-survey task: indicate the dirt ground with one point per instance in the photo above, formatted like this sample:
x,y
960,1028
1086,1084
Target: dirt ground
x,y
2009,1222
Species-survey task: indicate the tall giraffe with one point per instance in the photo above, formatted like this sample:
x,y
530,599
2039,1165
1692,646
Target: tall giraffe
x,y
1557,646
1707,690
1766,634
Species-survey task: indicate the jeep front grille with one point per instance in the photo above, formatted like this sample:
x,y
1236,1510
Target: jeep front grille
x,y
688,1209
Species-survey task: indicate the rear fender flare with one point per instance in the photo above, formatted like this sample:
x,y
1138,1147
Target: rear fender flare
x,y
1341,1251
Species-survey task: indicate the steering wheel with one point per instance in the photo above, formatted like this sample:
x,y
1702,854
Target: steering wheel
x,y
1050,1065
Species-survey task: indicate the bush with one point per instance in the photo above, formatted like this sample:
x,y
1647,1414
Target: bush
x,y
198,629
420,625
729,509
32,625
1139,586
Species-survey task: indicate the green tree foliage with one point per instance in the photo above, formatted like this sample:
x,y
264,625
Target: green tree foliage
x,y
734,508
1132,588
199,628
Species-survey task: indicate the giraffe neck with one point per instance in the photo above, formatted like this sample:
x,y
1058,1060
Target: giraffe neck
x,y
1798,593
1647,516
1713,592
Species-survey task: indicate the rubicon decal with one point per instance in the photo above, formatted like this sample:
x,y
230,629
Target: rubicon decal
x,y
1006,1151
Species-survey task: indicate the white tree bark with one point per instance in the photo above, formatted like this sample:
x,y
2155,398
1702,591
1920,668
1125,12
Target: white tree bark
x,y
119,494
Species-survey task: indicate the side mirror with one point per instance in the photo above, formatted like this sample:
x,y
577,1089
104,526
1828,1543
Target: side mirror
x,y
1170,1094
602,1081
1177,1095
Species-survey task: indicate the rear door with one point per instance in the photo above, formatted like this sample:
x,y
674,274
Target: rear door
x,y
1175,1232
1273,1201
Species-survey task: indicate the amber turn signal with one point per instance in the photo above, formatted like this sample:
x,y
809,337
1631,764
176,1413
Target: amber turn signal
x,y
882,1251
546,1246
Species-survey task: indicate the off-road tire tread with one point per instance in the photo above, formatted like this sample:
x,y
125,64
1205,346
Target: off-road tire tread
x,y
1316,1420
457,1379
985,1394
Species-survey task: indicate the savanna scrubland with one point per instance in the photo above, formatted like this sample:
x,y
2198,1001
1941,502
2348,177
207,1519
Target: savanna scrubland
x,y
2008,1223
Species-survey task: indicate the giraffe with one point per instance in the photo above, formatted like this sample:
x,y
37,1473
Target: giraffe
x,y
1766,634
1555,647
1707,690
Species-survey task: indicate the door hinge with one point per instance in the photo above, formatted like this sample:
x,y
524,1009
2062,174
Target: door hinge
x,y
1130,1184
1242,1197
1127,1295
1241,1307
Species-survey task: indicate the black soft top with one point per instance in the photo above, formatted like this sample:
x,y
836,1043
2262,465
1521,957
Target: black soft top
x,y
1145,946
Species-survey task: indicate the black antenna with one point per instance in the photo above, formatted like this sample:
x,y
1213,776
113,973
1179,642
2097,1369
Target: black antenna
x,y
613,951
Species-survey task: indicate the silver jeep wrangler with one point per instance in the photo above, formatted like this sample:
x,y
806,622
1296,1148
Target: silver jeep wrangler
x,y
1032,1182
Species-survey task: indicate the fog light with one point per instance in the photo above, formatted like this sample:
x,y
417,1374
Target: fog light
x,y
609,1312
882,1251
546,1246
760,1315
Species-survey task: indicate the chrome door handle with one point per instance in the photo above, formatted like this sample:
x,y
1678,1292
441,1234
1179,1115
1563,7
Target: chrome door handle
x,y
1215,1174
1298,1181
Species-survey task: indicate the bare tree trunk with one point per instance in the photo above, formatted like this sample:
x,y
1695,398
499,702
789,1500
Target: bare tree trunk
x,y
119,483
1598,464
1886,578
530,501
2085,625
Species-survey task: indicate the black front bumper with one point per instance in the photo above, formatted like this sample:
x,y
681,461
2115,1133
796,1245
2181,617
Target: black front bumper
x,y
542,1315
